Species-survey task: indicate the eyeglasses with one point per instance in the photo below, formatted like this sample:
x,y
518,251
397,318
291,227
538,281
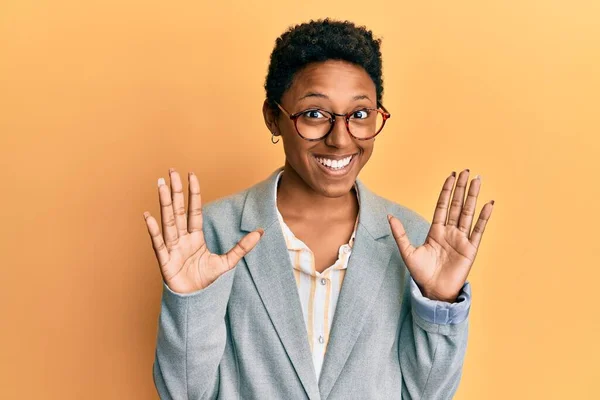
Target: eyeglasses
x,y
315,124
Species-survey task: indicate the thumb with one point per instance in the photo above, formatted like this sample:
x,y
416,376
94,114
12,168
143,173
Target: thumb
x,y
406,249
243,247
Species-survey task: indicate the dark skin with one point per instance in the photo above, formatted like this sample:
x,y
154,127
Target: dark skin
x,y
310,201
313,202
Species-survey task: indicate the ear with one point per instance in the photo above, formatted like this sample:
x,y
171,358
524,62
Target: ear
x,y
270,118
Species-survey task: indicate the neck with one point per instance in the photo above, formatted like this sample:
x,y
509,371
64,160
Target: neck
x,y
298,200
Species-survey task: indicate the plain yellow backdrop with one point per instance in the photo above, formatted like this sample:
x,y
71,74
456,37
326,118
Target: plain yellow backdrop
x,y
99,98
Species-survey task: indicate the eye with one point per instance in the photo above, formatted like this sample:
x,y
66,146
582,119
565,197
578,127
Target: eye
x,y
360,114
313,114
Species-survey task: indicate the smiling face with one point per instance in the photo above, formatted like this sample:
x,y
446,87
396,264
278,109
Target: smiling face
x,y
328,166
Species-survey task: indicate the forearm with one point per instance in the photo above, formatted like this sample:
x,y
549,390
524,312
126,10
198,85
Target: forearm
x,y
191,340
432,346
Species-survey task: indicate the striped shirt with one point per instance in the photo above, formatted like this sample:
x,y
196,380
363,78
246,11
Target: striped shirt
x,y
318,291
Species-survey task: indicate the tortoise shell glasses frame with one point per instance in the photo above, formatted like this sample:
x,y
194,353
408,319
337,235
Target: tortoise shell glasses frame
x,y
385,115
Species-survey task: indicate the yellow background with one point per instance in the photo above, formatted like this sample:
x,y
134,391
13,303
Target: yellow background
x,y
99,98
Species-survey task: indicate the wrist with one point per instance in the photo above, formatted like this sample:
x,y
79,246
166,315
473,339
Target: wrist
x,y
436,295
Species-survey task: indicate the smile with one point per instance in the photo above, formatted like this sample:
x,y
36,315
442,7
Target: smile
x,y
335,166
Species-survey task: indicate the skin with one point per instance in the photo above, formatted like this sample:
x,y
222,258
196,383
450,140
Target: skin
x,y
311,202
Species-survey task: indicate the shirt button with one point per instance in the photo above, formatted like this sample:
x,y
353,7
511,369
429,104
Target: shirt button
x,y
321,339
323,281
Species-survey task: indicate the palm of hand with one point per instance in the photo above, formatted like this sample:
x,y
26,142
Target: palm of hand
x,y
191,265
441,265
185,262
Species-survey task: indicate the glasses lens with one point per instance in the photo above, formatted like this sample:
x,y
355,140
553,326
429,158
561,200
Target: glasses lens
x,y
365,123
313,124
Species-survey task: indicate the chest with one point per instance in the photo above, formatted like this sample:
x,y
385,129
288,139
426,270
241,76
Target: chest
x,y
324,240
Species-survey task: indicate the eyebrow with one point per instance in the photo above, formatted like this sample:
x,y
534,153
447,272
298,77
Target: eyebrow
x,y
314,94
324,96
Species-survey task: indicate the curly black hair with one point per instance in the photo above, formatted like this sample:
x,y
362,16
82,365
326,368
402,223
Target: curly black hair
x,y
317,41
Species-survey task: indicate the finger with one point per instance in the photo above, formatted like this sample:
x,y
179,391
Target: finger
x,y
406,249
441,209
243,247
194,204
468,211
458,199
178,203
484,216
162,254
166,214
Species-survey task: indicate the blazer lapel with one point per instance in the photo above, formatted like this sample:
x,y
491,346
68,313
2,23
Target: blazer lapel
x,y
272,272
366,270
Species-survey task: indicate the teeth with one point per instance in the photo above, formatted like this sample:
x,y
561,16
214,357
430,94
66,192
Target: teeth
x,y
335,164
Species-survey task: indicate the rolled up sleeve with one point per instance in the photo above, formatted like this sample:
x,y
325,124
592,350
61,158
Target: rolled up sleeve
x,y
441,312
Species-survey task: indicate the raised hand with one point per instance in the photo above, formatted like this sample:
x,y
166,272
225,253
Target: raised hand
x,y
441,265
185,262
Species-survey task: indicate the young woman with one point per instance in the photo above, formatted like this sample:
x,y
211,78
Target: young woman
x,y
309,285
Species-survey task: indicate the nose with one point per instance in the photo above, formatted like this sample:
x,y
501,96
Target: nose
x,y
339,136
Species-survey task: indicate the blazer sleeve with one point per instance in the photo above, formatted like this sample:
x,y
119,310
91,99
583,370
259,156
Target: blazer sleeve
x,y
192,336
432,339
191,341
431,354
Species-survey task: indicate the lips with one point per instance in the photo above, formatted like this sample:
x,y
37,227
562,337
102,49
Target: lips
x,y
334,156
335,165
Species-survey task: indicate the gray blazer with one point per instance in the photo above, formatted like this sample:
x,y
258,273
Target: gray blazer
x,y
244,336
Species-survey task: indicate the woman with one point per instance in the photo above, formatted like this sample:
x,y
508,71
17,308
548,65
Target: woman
x,y
309,285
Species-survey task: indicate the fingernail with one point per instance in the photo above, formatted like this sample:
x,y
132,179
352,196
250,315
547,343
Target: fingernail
x,y
171,170
453,173
161,181
389,217
261,231
492,202
468,170
478,177
146,215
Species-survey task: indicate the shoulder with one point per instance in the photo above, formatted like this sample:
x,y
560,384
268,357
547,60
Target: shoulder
x,y
230,205
416,225
221,221
225,212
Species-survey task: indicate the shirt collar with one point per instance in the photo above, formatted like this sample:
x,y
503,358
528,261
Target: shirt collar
x,y
292,242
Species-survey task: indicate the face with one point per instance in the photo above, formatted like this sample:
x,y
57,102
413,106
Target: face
x,y
334,86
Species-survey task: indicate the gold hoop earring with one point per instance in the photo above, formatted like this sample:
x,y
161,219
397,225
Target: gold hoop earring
x,y
272,139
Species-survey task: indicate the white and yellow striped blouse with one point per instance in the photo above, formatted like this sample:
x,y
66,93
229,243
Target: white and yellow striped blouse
x,y
318,291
